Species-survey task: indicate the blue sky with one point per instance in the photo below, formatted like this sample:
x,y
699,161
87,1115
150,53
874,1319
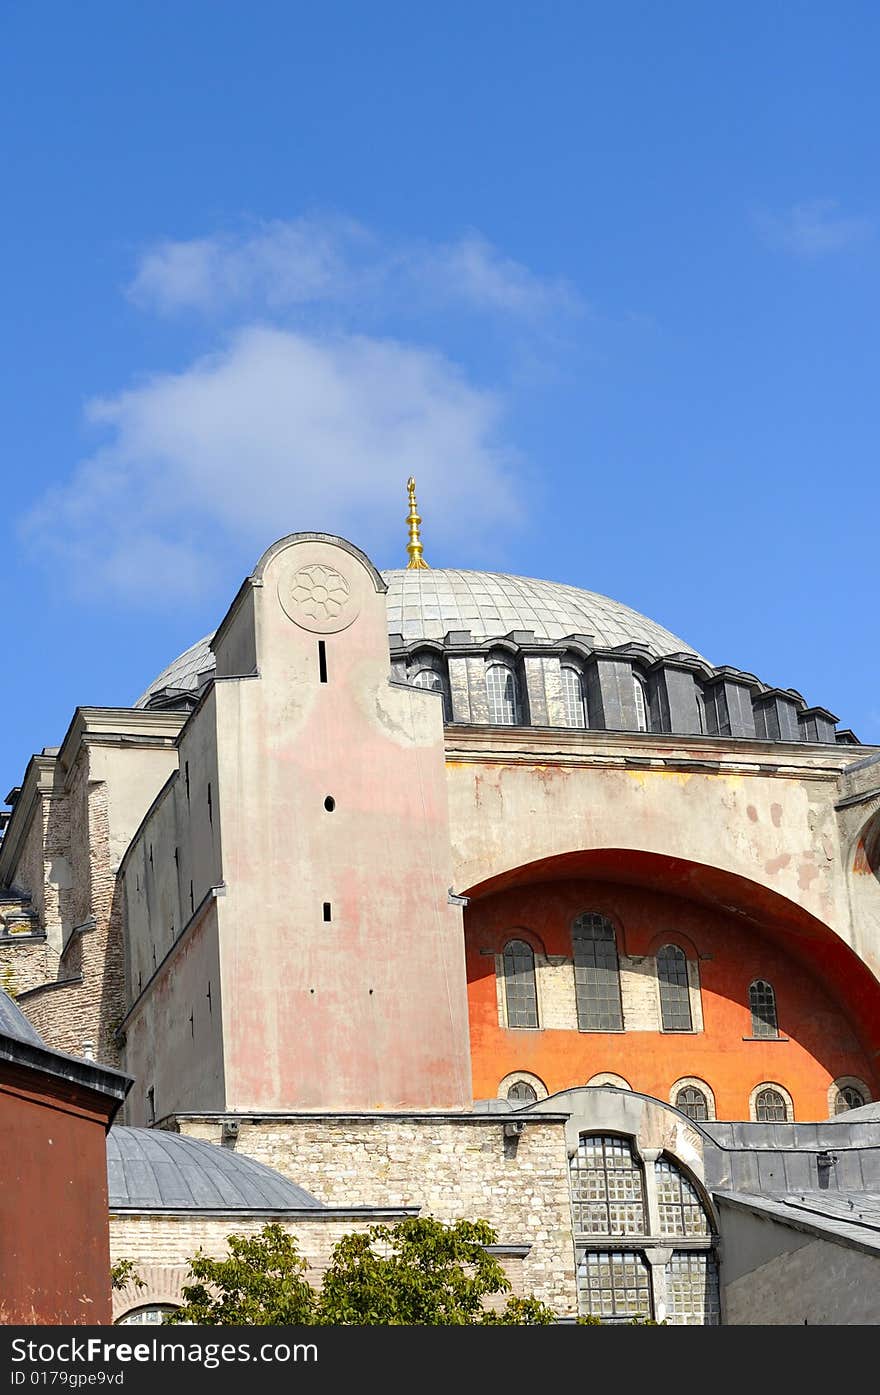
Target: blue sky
x,y
605,278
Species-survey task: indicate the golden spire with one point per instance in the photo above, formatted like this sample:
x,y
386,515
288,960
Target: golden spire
x,y
414,546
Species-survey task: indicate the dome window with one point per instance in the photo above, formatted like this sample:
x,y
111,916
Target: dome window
x,y
641,703
503,696
432,680
573,697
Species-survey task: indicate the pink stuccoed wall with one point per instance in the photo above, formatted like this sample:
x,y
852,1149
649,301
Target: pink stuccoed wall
x,y
368,1010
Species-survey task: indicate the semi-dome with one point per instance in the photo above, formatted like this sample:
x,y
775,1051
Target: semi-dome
x,y
155,1170
430,602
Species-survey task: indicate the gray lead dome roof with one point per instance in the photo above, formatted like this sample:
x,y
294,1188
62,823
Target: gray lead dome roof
x,y
428,604
153,1170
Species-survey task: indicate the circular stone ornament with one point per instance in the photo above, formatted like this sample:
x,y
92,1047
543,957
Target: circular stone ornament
x,y
318,598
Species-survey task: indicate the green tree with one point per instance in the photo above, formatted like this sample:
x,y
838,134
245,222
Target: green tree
x,y
259,1283
420,1272
417,1272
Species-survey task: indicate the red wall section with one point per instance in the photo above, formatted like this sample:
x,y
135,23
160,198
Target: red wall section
x,y
821,1043
54,1225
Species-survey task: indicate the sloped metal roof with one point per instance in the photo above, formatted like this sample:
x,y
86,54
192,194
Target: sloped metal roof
x,y
154,1170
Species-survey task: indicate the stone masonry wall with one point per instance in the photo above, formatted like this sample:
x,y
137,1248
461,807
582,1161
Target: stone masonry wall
x,y
450,1168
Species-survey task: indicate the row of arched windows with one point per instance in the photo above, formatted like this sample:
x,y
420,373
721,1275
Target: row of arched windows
x,y
504,697
769,1103
597,984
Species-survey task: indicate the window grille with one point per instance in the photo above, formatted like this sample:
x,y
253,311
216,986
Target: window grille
x,y
607,1187
641,704
692,1298
848,1097
614,1285
770,1107
152,1314
521,1092
432,680
679,1206
520,989
502,695
573,697
675,998
596,974
762,1005
693,1103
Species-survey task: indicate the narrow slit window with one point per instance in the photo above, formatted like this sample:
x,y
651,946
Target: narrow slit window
x,y
327,910
322,661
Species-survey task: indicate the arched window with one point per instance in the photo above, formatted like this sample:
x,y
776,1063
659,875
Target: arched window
x,y
680,1209
520,989
762,1005
502,695
596,974
770,1107
573,697
641,703
432,680
607,1187
521,1092
692,1102
152,1314
675,998
692,1298
848,1097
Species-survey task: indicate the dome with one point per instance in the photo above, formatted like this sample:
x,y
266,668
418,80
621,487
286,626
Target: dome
x,y
427,604
153,1170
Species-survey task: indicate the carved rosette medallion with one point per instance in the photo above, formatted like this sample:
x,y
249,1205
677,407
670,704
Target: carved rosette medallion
x,y
318,598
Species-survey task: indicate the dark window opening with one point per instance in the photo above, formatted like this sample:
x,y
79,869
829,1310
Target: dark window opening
x,y
322,661
326,910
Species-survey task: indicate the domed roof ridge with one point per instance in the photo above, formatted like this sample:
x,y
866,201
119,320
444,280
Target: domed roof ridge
x,y
428,603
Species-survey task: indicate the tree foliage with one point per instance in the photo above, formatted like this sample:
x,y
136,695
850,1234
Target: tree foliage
x,y
418,1272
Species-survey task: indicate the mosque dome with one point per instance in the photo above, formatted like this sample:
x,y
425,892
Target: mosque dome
x,y
428,603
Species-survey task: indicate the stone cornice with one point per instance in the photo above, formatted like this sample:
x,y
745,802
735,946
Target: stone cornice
x,y
643,750
114,726
41,778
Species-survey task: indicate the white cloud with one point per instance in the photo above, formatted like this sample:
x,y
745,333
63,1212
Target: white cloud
x,y
278,432
308,262
814,228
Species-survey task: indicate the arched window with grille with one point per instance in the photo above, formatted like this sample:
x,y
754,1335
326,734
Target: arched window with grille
x,y
675,998
520,987
432,680
614,1285
607,1187
641,701
573,697
502,694
692,1101
692,1296
596,974
762,1006
770,1106
848,1097
521,1092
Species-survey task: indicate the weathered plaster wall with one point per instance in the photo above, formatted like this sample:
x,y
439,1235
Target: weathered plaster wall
x,y
757,811
174,1033
364,1004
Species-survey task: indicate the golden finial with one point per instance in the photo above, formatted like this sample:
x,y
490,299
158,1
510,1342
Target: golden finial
x,y
414,546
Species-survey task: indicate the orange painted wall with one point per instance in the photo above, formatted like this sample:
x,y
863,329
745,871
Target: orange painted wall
x,y
822,1045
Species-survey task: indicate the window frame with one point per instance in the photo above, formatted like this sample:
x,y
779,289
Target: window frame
x,y
757,988
508,981
492,666
565,668
676,954
583,1002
